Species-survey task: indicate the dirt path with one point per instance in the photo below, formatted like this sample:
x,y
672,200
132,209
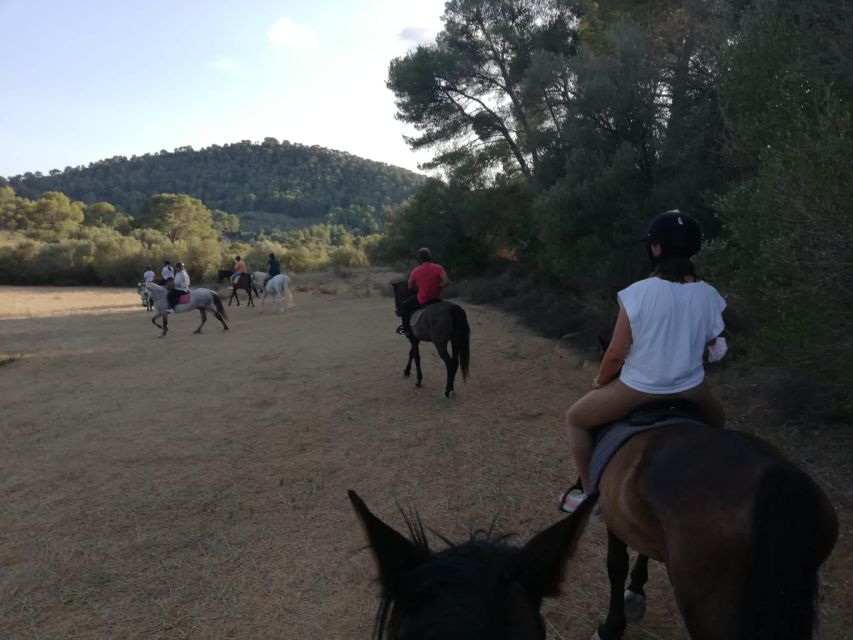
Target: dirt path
x,y
196,486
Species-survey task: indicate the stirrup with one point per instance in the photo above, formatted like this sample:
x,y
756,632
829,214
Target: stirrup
x,y
401,331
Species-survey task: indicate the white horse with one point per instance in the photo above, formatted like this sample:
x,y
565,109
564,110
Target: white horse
x,y
279,287
143,293
202,299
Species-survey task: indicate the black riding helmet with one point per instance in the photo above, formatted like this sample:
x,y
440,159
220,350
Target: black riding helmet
x,y
677,233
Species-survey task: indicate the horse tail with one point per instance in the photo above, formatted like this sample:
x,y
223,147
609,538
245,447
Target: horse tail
x,y
460,338
787,539
218,304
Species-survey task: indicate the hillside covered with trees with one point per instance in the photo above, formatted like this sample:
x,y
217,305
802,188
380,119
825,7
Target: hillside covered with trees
x,y
296,181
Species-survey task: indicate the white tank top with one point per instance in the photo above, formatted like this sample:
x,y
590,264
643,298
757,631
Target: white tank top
x,y
671,323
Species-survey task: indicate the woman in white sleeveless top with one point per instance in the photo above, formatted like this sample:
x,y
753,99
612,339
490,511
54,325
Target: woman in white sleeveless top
x,y
664,325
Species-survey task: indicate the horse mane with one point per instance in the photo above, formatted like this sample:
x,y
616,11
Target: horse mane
x,y
483,558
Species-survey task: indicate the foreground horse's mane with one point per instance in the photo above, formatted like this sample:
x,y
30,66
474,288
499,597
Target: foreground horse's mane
x,y
483,587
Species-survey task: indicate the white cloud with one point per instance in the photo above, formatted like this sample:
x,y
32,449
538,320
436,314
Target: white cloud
x,y
286,33
224,63
417,35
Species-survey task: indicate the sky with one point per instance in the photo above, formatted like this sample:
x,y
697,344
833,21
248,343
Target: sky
x,y
86,80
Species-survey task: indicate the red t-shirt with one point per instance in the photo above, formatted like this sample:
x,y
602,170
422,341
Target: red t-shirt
x,y
427,280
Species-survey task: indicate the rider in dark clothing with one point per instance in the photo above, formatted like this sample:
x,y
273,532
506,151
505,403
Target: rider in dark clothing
x,y
274,268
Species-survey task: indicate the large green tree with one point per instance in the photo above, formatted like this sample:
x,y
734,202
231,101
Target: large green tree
x,y
180,217
477,96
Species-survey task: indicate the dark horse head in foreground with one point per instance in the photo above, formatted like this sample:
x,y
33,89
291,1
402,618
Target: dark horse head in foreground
x,y
441,323
480,589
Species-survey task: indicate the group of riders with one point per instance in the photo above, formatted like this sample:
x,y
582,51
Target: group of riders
x,y
665,326
273,269
177,280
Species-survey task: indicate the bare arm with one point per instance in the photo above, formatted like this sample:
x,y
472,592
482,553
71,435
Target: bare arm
x,y
444,279
616,353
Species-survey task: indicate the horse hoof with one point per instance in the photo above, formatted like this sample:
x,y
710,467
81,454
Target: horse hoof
x,y
450,394
419,384
197,332
635,606
406,374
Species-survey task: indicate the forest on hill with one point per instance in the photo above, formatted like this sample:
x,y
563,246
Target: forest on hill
x,y
299,182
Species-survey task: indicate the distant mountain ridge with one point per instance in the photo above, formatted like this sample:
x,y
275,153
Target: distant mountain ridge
x,y
277,177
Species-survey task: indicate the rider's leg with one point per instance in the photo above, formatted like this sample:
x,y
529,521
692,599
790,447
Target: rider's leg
x,y
599,406
710,408
407,308
171,298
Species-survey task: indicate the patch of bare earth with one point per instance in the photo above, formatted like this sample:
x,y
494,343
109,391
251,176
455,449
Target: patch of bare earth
x,y
195,486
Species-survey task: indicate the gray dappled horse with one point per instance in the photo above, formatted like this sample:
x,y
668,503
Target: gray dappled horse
x,y
202,299
440,323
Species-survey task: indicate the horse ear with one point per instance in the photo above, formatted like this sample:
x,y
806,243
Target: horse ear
x,y
393,552
544,558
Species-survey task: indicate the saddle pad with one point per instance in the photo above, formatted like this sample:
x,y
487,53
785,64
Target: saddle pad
x,y
185,299
418,314
609,438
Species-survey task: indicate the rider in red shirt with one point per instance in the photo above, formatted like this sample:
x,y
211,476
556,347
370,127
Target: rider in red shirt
x,y
427,279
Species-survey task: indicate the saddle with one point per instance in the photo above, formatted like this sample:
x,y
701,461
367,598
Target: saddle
x,y
418,314
652,415
184,298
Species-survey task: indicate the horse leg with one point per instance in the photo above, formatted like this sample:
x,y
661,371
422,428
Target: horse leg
x,y
220,318
416,354
451,364
251,302
233,293
408,370
617,572
635,596
165,326
203,320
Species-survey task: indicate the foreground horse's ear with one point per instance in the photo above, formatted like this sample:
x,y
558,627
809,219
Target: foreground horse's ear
x,y
394,553
544,558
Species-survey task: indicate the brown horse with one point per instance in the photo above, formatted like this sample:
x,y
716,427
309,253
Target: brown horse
x,y
741,529
482,588
440,323
243,282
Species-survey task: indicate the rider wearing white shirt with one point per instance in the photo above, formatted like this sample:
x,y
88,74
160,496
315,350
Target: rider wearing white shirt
x,y
148,276
167,271
180,286
665,324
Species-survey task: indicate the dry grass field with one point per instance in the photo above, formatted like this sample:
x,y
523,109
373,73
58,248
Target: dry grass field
x,y
195,486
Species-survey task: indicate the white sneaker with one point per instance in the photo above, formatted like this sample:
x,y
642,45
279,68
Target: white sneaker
x,y
571,501
169,311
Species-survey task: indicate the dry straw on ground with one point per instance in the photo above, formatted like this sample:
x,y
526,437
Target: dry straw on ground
x,y
195,487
